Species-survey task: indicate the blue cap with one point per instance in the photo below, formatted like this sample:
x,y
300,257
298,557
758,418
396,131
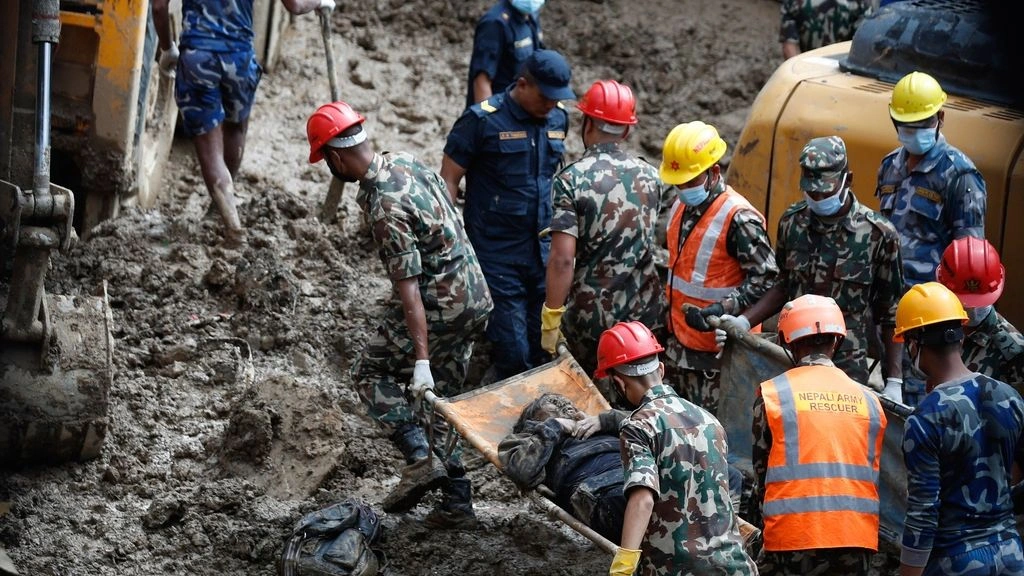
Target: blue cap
x,y
552,74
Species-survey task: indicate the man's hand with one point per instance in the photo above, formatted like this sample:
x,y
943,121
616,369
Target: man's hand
x,y
893,389
740,322
422,380
625,562
568,426
169,61
550,321
326,6
697,318
587,427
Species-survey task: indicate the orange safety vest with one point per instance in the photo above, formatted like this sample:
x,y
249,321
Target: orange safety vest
x,y
821,486
702,271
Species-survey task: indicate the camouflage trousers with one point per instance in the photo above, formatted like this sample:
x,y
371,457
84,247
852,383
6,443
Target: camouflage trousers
x,y
1005,558
824,562
694,375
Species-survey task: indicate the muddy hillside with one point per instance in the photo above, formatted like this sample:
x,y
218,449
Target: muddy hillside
x,y
232,411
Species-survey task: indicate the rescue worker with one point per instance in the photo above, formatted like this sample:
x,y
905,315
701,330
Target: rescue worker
x,y
816,453
830,244
509,147
928,189
601,269
674,460
574,455
505,37
960,446
810,24
720,259
971,268
440,301
216,78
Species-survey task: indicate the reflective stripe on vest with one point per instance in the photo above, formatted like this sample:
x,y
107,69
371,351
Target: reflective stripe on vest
x,y
821,494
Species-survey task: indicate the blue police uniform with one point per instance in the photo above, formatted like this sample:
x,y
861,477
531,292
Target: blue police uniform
x,y
510,159
217,71
504,39
941,199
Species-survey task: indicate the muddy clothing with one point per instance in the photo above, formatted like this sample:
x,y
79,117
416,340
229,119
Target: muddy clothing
x,y
510,158
678,450
585,475
941,199
418,234
996,349
504,39
855,259
959,446
608,200
816,23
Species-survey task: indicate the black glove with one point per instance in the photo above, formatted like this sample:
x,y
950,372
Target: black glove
x,y
696,318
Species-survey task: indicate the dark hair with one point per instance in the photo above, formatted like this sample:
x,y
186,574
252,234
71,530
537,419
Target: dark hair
x,y
530,410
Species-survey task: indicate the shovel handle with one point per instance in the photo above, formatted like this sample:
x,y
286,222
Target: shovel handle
x,y
325,32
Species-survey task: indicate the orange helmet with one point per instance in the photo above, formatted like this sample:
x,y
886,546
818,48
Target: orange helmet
x,y
623,343
609,101
970,267
327,122
808,315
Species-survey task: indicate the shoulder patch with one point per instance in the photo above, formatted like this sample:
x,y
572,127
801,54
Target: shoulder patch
x,y
559,104
486,106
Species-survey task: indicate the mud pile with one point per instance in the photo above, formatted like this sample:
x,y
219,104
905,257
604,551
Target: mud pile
x,y
232,411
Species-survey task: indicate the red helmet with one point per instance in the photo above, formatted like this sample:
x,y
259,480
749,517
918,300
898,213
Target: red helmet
x,y
327,122
623,343
971,269
808,315
609,101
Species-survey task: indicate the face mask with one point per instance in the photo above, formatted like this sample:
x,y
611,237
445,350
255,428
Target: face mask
x,y
620,395
694,196
828,206
918,141
527,6
976,316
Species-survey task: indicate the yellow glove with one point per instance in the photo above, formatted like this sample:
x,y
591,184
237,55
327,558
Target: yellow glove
x,y
625,562
550,320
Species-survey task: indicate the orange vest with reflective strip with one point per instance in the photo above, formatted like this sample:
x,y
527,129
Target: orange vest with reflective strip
x,y
702,271
821,487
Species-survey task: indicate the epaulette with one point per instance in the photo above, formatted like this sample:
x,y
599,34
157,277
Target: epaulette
x,y
485,107
559,104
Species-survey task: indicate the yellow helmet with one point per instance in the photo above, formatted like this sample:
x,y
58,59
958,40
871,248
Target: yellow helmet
x,y
690,149
916,96
926,304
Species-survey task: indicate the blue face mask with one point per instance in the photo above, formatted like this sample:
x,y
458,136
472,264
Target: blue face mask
x,y
828,206
527,6
917,141
976,316
695,195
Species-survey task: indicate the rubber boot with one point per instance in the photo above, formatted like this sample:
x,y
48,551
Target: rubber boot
x,y
456,510
423,471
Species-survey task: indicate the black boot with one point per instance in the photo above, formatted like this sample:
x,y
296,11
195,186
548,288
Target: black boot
x,y
456,510
423,471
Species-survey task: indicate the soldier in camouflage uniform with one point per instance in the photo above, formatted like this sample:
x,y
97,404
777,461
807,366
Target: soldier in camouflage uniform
x,y
961,446
830,244
440,300
972,270
605,211
679,514
928,189
810,24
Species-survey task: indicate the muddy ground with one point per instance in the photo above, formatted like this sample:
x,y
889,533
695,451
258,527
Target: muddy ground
x,y
232,411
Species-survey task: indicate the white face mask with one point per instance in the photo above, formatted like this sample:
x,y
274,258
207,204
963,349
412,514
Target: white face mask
x,y
527,6
976,316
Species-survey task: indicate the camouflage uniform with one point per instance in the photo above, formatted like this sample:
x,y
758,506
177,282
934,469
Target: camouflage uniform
x,y
996,349
817,23
959,445
695,374
608,200
418,234
678,450
854,258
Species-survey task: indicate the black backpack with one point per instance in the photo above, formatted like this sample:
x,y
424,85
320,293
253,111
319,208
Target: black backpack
x,y
335,541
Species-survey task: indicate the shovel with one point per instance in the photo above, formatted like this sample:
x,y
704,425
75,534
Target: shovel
x,y
329,211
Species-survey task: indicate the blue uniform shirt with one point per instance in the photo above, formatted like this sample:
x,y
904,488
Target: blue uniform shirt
x,y
959,446
217,25
941,199
510,159
504,39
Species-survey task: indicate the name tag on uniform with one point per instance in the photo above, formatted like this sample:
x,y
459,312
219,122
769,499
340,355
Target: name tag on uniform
x,y
523,43
929,194
885,190
556,134
517,135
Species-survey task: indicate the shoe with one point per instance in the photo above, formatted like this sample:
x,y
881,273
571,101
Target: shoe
x,y
456,510
418,478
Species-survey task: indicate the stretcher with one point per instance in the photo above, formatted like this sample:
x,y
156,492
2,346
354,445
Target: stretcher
x,y
483,417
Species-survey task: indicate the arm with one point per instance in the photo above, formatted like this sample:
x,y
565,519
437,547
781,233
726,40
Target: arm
x,y
922,461
560,269
488,42
452,174
769,304
524,456
759,458
415,317
748,242
790,49
481,87
887,289
968,206
789,28
162,22
304,6
639,508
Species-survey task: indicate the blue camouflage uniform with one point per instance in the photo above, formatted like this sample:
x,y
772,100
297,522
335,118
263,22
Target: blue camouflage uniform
x,y
959,447
939,200
217,71
504,39
510,158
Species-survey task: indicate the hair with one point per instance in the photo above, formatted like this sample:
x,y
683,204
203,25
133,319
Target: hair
x,y
941,337
562,403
